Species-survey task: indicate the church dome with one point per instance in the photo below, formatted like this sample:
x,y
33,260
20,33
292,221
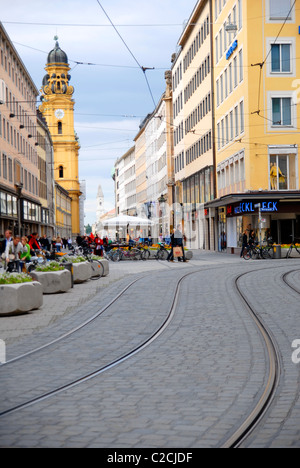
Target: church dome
x,y
57,55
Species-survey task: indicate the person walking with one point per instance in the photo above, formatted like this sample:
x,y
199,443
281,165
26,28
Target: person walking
x,y
245,243
173,244
179,241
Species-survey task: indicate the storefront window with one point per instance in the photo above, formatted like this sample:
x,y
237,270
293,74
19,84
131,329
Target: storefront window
x,y
283,172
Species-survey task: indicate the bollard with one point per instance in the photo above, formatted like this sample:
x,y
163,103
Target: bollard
x,y
69,266
277,252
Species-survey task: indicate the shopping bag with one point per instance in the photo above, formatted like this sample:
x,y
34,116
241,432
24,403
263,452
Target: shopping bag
x,y
177,252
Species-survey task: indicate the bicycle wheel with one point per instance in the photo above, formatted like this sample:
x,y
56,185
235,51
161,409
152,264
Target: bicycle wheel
x,y
265,254
97,268
145,255
136,254
288,255
162,255
117,256
247,254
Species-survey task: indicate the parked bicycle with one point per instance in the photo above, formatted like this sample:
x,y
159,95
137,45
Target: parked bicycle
x,y
124,254
162,253
256,251
293,246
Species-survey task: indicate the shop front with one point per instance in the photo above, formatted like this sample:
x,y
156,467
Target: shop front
x,y
269,215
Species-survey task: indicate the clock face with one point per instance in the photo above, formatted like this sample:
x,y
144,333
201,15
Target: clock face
x,y
59,114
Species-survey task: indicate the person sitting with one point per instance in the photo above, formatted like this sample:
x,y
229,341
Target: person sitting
x,y
12,253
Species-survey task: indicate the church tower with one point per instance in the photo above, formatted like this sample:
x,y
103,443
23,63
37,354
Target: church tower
x,y
58,109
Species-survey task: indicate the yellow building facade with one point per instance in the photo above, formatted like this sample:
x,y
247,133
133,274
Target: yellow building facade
x,y
58,109
256,119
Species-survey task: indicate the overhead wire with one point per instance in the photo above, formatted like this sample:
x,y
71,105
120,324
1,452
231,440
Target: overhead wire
x,y
142,68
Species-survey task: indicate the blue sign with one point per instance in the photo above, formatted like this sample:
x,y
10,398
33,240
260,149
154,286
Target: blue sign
x,y
232,49
266,207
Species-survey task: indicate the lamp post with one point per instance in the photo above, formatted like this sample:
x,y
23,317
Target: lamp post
x,y
19,187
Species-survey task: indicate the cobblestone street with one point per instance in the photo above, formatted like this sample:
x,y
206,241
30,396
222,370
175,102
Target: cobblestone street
x,y
192,386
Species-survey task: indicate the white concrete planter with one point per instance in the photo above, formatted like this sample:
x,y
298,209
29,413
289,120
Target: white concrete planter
x,y
105,263
96,270
20,298
81,272
53,282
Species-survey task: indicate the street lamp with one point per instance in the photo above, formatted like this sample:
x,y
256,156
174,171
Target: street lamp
x,y
19,187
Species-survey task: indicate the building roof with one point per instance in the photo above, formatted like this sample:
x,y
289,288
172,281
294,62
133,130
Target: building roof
x,y
57,55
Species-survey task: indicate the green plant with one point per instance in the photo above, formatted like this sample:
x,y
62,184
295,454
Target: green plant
x,y
74,259
51,266
8,278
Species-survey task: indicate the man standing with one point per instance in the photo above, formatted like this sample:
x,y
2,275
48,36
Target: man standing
x,y
245,243
6,241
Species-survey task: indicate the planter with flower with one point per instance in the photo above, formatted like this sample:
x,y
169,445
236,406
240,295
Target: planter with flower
x,y
19,294
81,269
53,278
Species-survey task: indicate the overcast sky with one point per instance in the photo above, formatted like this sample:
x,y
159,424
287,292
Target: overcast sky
x,y
111,96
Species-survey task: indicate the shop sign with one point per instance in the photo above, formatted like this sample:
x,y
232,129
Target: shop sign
x,y
268,207
231,49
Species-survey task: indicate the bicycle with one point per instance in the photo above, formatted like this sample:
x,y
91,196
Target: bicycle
x,y
292,247
255,252
162,253
130,254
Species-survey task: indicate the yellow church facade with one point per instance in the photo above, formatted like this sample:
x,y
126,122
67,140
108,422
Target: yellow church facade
x,y
58,109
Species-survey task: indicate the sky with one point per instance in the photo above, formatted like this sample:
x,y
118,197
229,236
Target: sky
x,y
112,97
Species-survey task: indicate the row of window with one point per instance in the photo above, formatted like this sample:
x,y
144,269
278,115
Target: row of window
x,y
230,78
231,126
231,171
199,148
202,72
197,44
10,64
198,114
12,136
15,174
199,188
225,38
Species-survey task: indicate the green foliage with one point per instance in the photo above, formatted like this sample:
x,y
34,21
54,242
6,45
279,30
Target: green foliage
x,y
51,266
74,259
8,278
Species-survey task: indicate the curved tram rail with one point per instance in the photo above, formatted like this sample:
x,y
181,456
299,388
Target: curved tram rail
x,y
107,367
248,426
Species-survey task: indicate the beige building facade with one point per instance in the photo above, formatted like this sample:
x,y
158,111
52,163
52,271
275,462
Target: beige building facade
x,y
194,141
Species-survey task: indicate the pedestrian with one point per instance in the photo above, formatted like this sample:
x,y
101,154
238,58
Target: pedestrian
x,y
58,244
245,244
173,244
179,237
70,243
7,239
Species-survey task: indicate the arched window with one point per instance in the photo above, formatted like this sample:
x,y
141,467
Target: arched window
x,y
59,126
61,172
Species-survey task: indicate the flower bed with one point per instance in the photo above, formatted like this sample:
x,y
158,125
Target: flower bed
x,y
53,278
19,294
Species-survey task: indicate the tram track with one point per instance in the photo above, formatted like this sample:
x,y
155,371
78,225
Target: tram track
x,y
251,422
111,364
247,427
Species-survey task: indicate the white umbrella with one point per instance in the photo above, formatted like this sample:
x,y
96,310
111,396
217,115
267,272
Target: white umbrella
x,y
124,220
